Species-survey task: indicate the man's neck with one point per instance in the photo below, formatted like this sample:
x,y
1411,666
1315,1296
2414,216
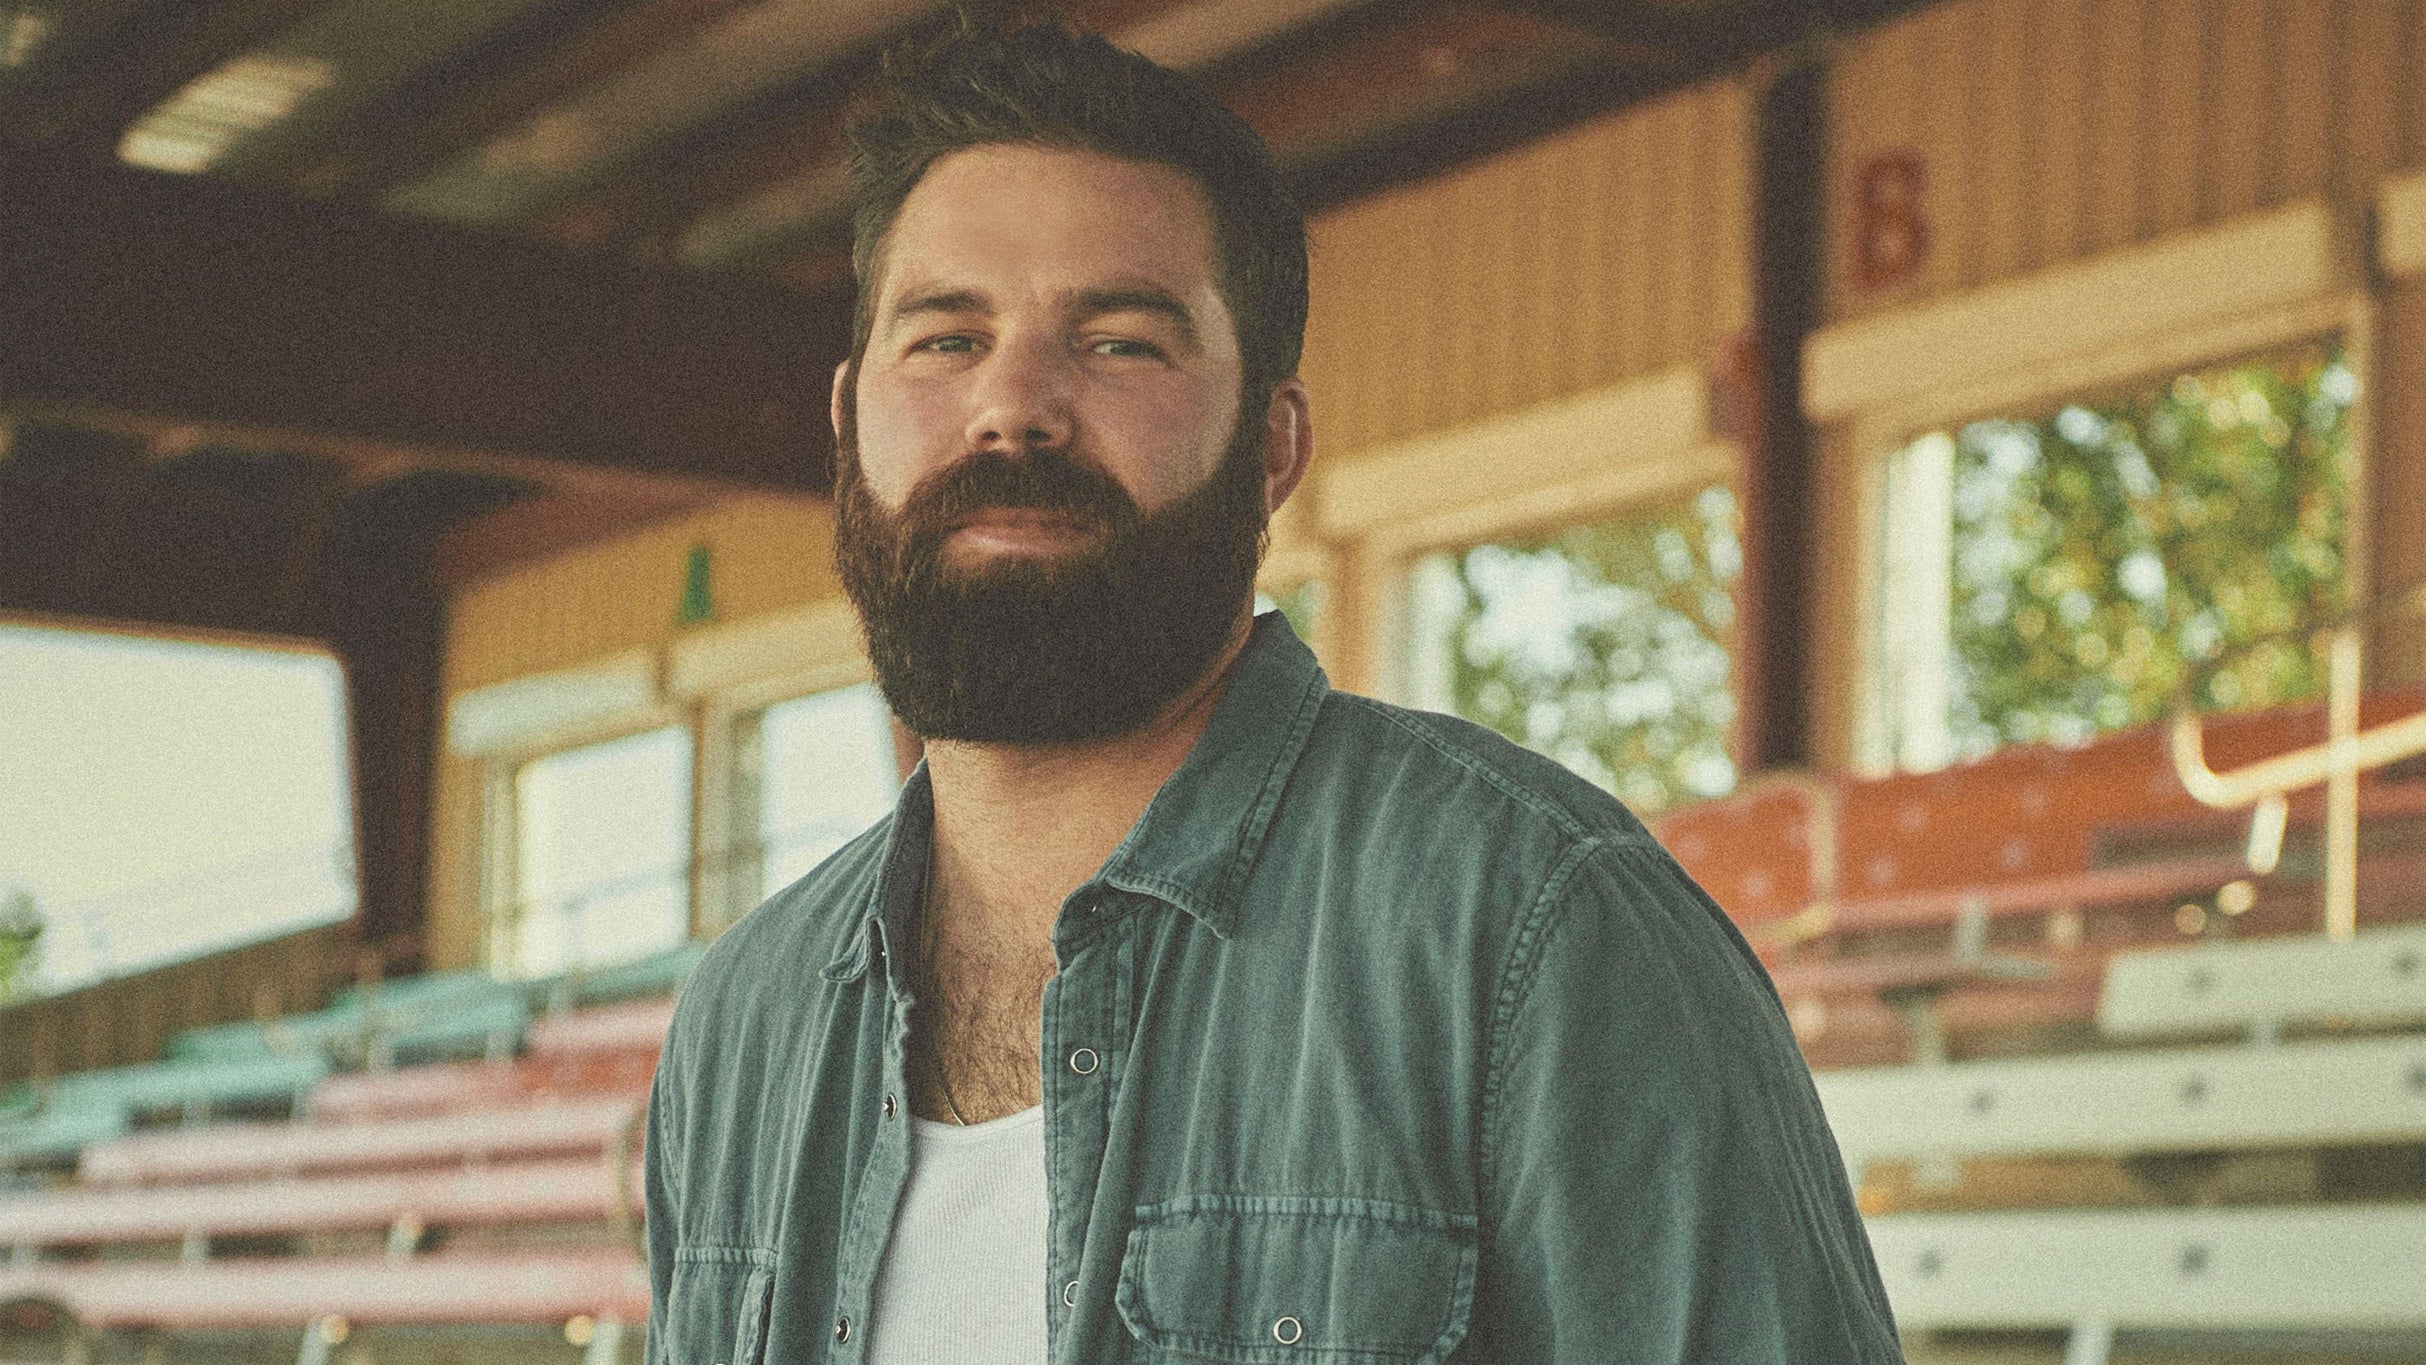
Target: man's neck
x,y
1020,826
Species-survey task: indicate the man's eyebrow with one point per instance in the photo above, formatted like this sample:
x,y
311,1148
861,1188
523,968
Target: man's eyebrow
x,y
1140,299
948,301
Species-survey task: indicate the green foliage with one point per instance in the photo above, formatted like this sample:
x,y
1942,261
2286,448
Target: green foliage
x,y
2108,555
1301,603
20,944
1605,646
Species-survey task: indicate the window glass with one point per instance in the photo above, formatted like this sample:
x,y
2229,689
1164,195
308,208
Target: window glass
x,y
602,842
826,773
1301,602
2051,577
164,799
1604,645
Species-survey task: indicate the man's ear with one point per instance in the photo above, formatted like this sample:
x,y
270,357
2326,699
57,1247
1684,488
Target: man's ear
x,y
1288,441
842,376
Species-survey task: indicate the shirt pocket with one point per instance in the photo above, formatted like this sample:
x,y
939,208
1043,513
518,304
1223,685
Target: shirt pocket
x,y
717,1306
1265,1280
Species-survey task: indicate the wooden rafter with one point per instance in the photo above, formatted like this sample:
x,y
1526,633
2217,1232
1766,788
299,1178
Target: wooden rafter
x,y
173,298
555,51
90,96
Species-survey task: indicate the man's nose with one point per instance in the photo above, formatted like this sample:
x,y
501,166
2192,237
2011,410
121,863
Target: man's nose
x,y
1022,397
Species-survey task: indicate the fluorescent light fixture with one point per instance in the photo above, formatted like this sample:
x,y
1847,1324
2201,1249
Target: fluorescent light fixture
x,y
195,127
21,31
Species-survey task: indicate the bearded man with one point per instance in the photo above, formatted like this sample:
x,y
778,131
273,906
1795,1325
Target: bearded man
x,y
1185,1008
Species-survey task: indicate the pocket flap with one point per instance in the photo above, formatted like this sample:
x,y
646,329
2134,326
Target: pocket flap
x,y
1252,1279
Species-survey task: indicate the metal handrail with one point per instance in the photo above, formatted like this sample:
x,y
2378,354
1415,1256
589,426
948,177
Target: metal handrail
x,y
2265,786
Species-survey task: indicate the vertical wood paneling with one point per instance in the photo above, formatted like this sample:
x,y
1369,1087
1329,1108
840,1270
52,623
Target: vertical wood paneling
x,y
2303,79
1587,258
1874,108
1729,211
2173,153
2376,65
1577,201
2055,129
2003,158
1632,327
2412,91
766,554
2118,94
1944,55
1677,258
2058,146
2237,108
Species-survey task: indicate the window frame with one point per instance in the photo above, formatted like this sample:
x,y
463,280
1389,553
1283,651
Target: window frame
x,y
1586,458
1864,442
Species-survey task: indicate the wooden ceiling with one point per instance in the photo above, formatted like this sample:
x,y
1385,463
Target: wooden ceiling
x,y
589,250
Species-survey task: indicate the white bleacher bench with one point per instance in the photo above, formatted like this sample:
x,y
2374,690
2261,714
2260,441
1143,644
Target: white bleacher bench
x,y
2317,1268
2343,1092
2312,1268
2262,986
235,1151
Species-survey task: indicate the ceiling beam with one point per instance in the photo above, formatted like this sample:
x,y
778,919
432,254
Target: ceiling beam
x,y
549,54
183,300
88,99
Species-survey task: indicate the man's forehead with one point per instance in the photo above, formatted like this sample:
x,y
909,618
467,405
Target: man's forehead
x,y
1012,220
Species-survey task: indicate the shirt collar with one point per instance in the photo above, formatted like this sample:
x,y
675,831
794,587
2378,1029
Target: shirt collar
x,y
1199,836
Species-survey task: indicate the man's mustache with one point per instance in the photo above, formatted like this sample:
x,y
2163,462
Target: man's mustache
x,y
1040,481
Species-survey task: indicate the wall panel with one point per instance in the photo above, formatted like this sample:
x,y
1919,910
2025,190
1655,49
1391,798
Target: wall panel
x,y
1595,256
764,553
2135,119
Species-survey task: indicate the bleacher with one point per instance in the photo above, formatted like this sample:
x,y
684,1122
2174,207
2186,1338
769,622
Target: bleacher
x,y
2091,1074
2094,1078
448,1149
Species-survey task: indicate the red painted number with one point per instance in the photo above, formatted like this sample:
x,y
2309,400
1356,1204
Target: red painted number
x,y
1890,233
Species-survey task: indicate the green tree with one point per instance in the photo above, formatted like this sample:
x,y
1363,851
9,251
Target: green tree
x,y
20,943
1605,646
2110,554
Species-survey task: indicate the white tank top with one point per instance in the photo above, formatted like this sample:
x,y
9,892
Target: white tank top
x,y
962,1281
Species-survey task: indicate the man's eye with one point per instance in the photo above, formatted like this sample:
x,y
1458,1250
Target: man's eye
x,y
951,345
1124,346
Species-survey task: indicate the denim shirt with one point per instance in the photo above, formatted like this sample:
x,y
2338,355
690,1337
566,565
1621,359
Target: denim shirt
x,y
1378,1041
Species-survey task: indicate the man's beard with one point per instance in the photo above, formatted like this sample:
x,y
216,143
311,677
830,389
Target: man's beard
x,y
1081,645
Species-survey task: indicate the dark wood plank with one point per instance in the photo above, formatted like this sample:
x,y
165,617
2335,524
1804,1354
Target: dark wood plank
x,y
185,300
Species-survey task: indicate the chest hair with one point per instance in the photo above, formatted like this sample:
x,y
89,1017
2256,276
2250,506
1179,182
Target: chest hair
x,y
981,1009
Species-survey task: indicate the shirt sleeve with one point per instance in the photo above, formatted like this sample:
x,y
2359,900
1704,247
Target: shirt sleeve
x,y
659,1177
1659,1184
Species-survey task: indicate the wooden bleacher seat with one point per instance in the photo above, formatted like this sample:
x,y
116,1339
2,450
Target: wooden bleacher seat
x,y
558,1190
235,1151
2314,1094
451,1014
631,1026
539,1285
448,1087
2092,1271
53,1120
2375,980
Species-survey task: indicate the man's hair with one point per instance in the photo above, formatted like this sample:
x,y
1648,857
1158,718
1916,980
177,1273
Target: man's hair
x,y
1043,84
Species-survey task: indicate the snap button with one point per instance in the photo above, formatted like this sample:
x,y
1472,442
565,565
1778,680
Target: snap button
x,y
1288,1331
842,1329
1084,1061
888,1106
1069,1294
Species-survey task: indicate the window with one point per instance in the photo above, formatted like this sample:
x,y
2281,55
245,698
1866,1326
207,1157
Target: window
x,y
602,852
825,772
2049,577
166,799
1604,645
1301,602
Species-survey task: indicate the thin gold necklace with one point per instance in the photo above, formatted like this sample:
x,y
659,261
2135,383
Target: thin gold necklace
x,y
926,958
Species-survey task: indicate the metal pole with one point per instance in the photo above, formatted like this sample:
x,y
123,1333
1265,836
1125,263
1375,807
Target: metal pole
x,y
2342,786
